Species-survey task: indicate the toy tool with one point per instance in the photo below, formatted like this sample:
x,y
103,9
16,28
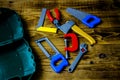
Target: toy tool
x,y
68,25
40,26
88,19
74,40
53,58
75,62
56,21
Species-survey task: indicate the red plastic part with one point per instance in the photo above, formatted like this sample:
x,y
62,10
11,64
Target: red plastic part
x,y
57,13
50,17
74,39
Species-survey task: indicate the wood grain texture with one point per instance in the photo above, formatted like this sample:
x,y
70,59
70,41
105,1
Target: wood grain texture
x,y
107,35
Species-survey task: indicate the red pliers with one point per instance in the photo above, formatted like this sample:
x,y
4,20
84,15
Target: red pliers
x,y
54,20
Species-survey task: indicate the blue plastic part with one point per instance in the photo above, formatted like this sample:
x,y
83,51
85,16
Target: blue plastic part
x,y
91,21
87,19
54,59
42,17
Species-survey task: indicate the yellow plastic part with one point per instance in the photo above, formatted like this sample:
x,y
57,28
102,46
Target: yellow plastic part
x,y
47,29
82,33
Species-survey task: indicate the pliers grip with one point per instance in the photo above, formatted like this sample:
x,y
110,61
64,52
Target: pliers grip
x,y
50,16
57,13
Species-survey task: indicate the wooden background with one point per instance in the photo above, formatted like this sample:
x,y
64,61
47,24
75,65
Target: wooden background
x,y
102,62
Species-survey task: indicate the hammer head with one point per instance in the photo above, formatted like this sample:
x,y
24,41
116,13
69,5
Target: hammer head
x,y
66,27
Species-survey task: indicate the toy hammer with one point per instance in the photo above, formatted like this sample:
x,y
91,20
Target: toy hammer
x,y
40,26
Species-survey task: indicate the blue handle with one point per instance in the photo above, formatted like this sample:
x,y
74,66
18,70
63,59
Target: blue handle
x,y
91,21
54,59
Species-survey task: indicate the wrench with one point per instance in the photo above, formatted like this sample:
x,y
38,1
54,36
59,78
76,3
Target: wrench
x,y
83,49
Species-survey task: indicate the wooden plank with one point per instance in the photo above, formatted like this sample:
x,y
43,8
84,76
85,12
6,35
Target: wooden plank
x,y
107,35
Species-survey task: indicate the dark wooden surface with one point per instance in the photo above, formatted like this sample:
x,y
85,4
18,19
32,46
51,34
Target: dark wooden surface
x,y
102,62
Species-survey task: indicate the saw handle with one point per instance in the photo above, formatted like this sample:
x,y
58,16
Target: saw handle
x,y
91,21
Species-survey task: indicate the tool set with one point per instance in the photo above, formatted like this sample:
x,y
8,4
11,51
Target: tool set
x,y
68,25
88,19
19,52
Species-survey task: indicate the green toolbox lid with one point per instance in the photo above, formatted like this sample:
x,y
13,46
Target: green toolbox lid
x,y
11,28
16,60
